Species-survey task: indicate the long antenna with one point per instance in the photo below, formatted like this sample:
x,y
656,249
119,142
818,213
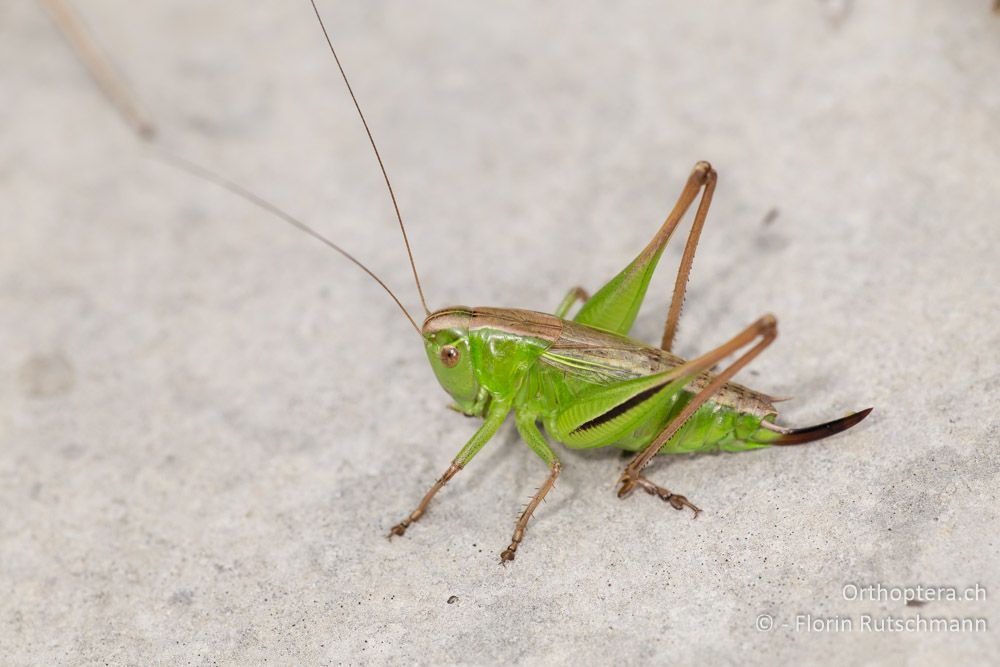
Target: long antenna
x,y
371,139
260,202
112,85
99,66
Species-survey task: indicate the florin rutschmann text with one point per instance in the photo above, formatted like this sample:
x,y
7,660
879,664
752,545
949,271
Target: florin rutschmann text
x,y
888,621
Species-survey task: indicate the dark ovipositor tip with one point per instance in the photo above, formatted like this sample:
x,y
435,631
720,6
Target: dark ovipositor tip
x,y
800,436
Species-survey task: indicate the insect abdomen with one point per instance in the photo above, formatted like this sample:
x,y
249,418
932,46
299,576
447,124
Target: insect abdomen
x,y
713,427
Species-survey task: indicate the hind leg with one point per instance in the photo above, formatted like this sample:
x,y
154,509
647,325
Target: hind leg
x,y
766,329
677,501
684,269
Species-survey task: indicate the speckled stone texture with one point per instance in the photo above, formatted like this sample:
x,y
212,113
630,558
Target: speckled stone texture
x,y
208,422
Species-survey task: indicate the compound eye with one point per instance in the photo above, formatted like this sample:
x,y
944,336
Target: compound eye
x,y
449,356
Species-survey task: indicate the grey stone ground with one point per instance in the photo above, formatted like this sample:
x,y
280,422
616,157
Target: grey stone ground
x,y
208,422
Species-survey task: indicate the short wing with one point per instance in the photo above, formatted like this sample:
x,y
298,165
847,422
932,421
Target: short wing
x,y
600,357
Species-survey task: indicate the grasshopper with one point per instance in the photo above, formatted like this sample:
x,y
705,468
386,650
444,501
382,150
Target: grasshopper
x,y
581,377
591,385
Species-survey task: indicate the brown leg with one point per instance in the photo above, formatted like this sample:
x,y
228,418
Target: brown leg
x,y
766,328
615,305
522,522
401,527
684,270
678,502
494,418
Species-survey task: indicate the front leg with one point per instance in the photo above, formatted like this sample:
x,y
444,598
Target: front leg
x,y
494,418
401,527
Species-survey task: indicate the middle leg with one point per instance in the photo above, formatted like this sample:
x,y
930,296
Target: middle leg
x,y
528,429
575,294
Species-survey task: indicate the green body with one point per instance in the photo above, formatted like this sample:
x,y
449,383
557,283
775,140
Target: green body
x,y
583,378
589,387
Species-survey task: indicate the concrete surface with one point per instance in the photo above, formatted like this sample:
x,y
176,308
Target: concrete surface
x,y
208,422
